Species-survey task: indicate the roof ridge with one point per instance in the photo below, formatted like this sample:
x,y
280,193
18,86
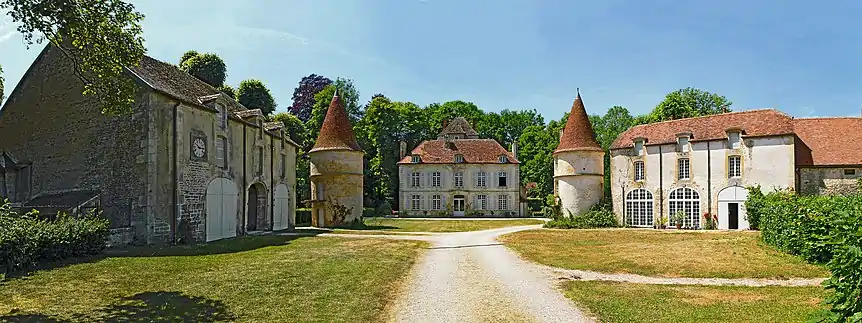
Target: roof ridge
x,y
838,117
715,115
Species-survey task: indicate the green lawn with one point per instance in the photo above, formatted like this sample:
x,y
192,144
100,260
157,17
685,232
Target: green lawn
x,y
624,302
661,253
412,225
260,279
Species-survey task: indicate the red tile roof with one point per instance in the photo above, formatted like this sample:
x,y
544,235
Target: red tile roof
x,y
336,133
475,151
753,123
828,141
578,133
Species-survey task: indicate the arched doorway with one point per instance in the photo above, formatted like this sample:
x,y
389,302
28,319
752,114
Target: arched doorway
x,y
221,209
281,214
639,208
731,208
687,201
256,206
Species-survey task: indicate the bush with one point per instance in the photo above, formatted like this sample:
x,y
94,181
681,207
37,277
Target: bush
x,y
753,206
27,241
599,216
303,217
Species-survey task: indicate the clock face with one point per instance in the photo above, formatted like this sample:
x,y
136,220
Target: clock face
x,y
199,148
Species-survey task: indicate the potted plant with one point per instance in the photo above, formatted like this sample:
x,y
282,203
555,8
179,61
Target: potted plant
x,y
678,218
662,221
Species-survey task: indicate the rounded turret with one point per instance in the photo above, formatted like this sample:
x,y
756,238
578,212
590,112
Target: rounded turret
x,y
578,164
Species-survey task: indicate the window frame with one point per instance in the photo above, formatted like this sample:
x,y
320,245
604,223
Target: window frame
x,y
415,159
683,147
436,179
415,202
459,158
638,147
680,170
688,200
458,179
221,113
415,179
503,202
503,176
482,200
731,144
481,179
640,208
734,172
639,171
436,202
849,172
503,159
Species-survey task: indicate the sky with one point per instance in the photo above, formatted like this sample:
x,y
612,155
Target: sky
x,y
802,58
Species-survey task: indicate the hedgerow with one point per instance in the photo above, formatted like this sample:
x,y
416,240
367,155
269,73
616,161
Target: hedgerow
x,y
820,229
599,216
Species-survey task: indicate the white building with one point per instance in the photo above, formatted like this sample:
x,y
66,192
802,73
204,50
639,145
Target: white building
x,y
578,164
701,166
459,174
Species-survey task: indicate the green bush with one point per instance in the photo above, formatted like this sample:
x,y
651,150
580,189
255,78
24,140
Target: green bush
x,y
753,206
303,217
27,241
599,216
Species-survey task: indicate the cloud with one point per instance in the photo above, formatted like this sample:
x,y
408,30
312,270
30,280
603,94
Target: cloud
x,y
274,33
6,36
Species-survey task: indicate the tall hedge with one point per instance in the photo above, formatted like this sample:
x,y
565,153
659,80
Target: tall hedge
x,y
820,229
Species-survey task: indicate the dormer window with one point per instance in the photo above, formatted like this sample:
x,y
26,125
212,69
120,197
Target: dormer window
x,y
416,159
459,158
682,144
639,145
733,140
222,116
503,159
456,137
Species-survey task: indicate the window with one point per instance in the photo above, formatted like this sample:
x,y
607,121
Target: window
x,y
283,165
734,166
639,171
416,159
503,159
733,140
320,192
459,179
481,180
639,208
414,202
683,171
435,179
687,201
414,179
221,152
850,172
503,202
482,202
683,144
459,158
501,179
260,160
222,116
639,145
436,202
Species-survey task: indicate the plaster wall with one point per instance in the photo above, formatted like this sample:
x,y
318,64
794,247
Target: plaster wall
x,y
340,174
470,189
578,180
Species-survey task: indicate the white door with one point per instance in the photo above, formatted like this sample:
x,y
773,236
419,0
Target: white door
x,y
731,208
221,209
281,216
458,206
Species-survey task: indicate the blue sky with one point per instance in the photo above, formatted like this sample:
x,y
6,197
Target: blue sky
x,y
800,57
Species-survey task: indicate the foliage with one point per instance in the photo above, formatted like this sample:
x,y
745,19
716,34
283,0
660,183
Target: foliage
x,y
710,222
678,218
689,102
303,217
187,55
753,206
1,85
208,67
304,95
227,90
253,94
349,96
26,240
599,216
292,125
820,229
101,38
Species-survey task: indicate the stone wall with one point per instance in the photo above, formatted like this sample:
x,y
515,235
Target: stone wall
x,y
578,180
340,174
829,180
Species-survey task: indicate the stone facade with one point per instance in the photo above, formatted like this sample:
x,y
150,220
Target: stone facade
x,y
428,189
829,180
579,179
336,187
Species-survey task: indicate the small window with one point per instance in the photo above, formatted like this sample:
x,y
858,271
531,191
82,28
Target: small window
x,y
260,160
639,171
850,172
221,152
683,144
502,179
482,201
222,116
416,159
414,202
733,140
503,202
503,159
414,179
459,158
459,179
734,166
683,171
436,202
283,165
481,180
639,145
435,179
320,192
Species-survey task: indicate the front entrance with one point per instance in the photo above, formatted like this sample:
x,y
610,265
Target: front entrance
x,y
458,205
733,216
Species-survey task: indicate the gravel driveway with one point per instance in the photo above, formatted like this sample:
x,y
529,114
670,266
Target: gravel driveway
x,y
470,277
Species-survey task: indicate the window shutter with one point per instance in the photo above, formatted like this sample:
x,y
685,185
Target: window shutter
x,y
443,201
475,202
492,204
509,202
421,179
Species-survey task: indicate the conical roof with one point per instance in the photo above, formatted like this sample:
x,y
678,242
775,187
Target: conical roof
x,y
336,133
578,133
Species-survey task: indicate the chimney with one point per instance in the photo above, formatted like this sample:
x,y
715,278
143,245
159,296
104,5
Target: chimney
x,y
515,150
402,149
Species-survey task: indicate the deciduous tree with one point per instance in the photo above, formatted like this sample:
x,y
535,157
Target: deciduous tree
x,y
304,95
253,94
1,85
689,102
227,90
207,67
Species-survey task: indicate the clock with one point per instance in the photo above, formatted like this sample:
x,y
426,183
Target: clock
x,y
199,148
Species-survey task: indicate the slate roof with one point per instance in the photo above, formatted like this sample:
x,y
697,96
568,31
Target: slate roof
x,y
245,114
578,133
171,81
459,125
753,123
828,141
475,151
336,133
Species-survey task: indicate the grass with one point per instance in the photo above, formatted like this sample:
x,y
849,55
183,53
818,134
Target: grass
x,y
661,253
251,279
415,225
625,302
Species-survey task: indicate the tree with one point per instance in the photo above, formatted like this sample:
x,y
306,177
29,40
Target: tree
x,y
253,94
1,85
304,95
439,113
209,68
687,103
536,146
349,95
293,126
607,129
227,90
100,37
187,55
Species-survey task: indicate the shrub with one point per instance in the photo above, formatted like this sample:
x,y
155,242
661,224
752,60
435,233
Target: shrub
x,y
846,268
753,206
303,217
599,216
27,241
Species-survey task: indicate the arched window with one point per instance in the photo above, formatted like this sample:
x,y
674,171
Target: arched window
x,y
688,201
639,208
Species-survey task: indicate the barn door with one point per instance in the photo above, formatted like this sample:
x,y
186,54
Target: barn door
x,y
221,209
281,216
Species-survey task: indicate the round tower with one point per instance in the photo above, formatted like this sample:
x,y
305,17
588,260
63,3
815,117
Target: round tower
x,y
336,170
578,164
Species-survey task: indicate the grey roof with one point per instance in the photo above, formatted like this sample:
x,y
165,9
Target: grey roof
x,y
459,125
245,114
173,82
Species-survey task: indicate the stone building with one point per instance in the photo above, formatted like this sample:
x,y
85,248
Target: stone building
x,y
187,164
578,163
459,174
701,166
336,170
